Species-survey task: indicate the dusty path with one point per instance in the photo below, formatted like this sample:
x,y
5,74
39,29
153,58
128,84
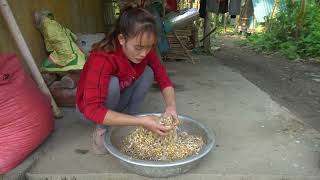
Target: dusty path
x,y
295,85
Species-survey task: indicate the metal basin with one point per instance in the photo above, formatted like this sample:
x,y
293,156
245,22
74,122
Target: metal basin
x,y
116,134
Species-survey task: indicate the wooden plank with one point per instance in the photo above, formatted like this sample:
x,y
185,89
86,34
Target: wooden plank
x,y
180,42
188,54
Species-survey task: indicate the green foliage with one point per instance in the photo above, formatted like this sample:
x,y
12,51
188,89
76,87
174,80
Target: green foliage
x,y
281,33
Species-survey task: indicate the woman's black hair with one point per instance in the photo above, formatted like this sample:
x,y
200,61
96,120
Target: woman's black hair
x,y
131,23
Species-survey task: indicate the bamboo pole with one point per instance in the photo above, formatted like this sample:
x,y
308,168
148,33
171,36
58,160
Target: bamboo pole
x,y
26,54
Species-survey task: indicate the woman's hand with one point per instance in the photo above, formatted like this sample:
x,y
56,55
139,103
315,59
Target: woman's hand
x,y
170,100
172,111
150,122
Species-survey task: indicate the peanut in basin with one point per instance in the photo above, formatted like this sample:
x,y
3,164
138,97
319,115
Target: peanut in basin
x,y
146,145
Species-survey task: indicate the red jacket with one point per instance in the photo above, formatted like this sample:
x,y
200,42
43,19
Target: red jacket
x,y
92,89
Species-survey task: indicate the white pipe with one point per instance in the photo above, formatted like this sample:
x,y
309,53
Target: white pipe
x,y
25,52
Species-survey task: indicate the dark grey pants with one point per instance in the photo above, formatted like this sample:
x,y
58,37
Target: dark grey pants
x,y
130,99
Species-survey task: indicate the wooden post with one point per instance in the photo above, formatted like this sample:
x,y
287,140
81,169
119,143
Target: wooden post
x,y
224,19
109,14
26,54
195,36
207,27
237,24
164,4
216,20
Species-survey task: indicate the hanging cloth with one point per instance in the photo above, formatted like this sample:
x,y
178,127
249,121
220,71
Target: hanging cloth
x,y
172,5
247,10
217,6
203,8
234,7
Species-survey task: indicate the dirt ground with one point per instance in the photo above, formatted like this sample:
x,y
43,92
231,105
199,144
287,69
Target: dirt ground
x,y
256,138
295,85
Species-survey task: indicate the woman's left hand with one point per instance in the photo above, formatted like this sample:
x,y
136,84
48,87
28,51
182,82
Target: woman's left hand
x,y
172,111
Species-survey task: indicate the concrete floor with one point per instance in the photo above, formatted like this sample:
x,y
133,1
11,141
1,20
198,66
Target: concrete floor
x,y
256,138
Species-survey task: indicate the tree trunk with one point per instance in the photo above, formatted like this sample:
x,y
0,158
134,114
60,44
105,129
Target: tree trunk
x,y
206,42
300,18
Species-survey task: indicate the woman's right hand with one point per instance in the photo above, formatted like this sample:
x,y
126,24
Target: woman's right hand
x,y
150,122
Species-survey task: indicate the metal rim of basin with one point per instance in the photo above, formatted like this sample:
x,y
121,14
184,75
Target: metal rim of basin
x,y
207,148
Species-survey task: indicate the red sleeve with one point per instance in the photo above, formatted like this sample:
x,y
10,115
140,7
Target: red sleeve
x,y
96,89
160,73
